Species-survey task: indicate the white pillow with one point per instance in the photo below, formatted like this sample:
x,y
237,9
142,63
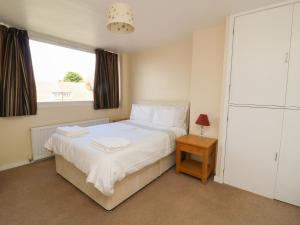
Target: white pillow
x,y
142,113
170,116
180,118
164,116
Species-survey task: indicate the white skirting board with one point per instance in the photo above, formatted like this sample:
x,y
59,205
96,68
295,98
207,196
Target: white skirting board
x,y
218,179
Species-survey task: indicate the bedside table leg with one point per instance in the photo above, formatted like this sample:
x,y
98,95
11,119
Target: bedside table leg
x,y
214,161
204,168
178,160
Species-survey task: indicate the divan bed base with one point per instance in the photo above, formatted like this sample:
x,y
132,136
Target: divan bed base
x,y
123,189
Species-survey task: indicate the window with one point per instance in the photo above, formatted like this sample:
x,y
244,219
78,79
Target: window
x,y
62,74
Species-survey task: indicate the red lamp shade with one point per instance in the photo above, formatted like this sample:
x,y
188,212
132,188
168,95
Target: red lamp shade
x,y
202,120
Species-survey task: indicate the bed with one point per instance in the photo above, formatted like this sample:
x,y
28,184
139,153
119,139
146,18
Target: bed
x,y
109,178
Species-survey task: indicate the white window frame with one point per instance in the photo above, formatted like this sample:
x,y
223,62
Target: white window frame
x,y
66,44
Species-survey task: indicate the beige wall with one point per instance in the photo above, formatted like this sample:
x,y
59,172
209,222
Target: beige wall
x,y
15,141
206,78
162,73
187,70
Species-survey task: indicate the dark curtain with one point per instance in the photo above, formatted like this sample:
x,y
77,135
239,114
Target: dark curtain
x,y
106,85
17,85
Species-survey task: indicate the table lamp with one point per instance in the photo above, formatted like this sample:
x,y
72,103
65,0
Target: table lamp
x,y
202,121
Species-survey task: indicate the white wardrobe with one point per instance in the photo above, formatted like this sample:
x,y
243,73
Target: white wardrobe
x,y
263,126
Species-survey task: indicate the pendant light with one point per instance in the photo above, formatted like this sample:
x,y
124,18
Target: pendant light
x,y
120,18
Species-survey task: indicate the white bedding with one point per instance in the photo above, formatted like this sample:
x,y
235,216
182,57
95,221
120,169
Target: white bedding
x,y
149,143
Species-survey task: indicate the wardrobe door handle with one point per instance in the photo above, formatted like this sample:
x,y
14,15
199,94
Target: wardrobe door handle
x,y
276,156
287,57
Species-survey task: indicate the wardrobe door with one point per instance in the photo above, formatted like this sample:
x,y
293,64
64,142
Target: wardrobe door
x,y
253,141
259,61
288,178
293,90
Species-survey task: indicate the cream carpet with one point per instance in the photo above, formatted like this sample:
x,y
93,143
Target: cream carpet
x,y
36,195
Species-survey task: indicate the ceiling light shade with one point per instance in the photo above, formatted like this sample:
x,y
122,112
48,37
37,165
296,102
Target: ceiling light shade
x,y
120,18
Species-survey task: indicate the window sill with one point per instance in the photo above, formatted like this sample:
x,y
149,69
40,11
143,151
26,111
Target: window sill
x,y
64,104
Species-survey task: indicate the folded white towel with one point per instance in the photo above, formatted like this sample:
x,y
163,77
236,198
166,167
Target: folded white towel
x,y
110,143
72,131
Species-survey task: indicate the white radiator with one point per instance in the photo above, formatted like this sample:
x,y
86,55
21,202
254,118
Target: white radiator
x,y
39,136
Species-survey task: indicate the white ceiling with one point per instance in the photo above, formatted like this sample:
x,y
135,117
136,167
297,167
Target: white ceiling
x,y
157,22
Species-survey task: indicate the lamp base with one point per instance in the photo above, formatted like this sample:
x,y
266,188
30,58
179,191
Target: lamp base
x,y
202,131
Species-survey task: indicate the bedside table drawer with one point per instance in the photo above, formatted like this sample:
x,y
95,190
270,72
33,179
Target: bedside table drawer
x,y
188,148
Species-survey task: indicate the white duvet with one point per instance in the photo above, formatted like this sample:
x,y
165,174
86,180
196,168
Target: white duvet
x,y
148,144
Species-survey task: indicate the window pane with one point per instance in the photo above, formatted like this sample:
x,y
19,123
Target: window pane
x,y
62,74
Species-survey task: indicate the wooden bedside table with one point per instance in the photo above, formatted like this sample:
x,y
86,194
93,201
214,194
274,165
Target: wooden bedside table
x,y
203,147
